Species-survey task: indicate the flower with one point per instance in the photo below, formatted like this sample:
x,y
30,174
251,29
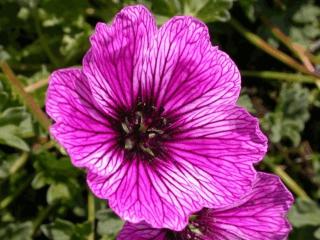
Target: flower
x,y
259,215
151,116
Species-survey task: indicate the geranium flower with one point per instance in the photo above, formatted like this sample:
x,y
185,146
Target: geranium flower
x,y
152,117
259,215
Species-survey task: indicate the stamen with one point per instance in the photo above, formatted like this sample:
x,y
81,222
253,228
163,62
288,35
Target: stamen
x,y
125,127
164,121
139,118
152,135
194,229
142,130
146,149
155,130
129,144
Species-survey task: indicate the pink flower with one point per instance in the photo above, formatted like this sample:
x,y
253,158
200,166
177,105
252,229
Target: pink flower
x,y
259,215
151,115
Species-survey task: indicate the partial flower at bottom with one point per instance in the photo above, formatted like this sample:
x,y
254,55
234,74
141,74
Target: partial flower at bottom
x,y
260,215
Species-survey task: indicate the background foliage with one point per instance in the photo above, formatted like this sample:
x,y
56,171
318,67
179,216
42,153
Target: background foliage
x,y
276,44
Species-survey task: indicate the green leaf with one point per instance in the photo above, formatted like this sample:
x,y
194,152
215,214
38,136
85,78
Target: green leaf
x,y
192,7
305,213
3,54
290,115
24,13
16,231
54,168
61,9
166,8
308,13
15,124
82,230
13,115
206,10
294,102
65,230
108,223
245,101
317,233
58,230
248,8
9,136
215,10
39,181
26,127
6,162
58,192
61,177
297,19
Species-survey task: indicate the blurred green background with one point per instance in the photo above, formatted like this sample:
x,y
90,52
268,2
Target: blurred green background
x,y
275,43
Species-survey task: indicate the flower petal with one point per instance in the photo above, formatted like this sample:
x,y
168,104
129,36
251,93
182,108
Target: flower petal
x,y
113,64
141,231
208,166
81,126
260,215
183,70
159,195
217,146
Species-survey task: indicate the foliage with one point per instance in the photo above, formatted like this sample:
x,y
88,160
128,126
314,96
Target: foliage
x,y
291,112
42,196
306,214
15,123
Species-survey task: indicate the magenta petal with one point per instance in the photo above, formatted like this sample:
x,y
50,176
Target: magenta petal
x,y
208,164
260,215
113,64
137,192
152,118
183,70
141,231
217,148
80,124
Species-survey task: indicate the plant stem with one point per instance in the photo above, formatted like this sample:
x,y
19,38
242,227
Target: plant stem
x,y
263,45
91,215
297,49
289,181
35,86
39,148
20,162
291,77
28,100
43,214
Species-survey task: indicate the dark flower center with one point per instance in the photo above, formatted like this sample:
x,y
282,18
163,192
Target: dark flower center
x,y
142,131
189,233
193,231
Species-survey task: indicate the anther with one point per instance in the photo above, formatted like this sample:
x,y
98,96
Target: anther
x,y
129,144
155,130
146,149
164,121
125,127
142,130
138,118
152,135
